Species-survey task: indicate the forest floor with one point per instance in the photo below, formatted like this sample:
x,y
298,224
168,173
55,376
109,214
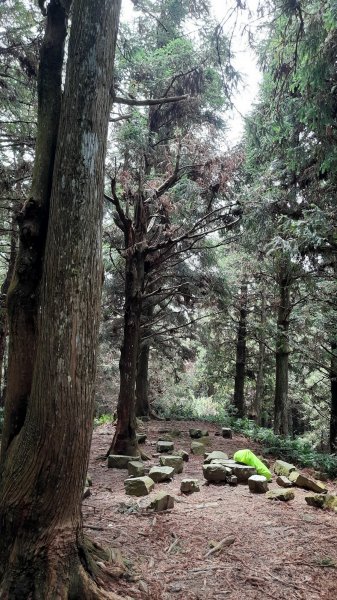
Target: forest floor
x,y
281,550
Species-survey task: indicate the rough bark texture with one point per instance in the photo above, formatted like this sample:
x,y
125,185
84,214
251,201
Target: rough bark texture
x,y
333,414
240,365
281,402
42,551
125,440
258,401
24,288
142,381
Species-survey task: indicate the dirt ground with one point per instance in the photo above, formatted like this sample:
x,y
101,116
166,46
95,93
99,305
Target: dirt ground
x,y
281,550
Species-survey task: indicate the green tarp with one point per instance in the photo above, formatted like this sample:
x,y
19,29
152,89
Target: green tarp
x,y
247,457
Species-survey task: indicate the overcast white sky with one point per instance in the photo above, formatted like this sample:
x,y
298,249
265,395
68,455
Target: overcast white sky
x,y
244,61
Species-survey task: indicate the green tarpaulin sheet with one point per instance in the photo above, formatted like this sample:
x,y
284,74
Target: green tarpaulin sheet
x,y
247,457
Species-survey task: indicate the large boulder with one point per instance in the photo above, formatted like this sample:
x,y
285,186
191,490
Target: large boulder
x,y
172,461
283,495
162,501
164,446
258,484
215,455
159,474
118,461
136,468
189,486
138,486
216,473
243,472
306,483
197,448
283,468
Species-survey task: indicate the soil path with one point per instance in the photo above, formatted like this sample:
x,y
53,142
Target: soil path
x,y
283,551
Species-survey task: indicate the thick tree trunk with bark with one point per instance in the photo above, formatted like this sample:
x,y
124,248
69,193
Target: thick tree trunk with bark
x,y
23,292
333,384
282,412
258,401
240,365
43,555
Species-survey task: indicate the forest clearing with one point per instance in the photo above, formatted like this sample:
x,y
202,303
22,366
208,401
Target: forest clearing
x,y
281,549
168,299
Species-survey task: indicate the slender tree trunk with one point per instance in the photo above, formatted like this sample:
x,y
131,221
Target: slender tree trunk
x,y
3,306
333,414
42,551
281,402
258,402
240,365
23,292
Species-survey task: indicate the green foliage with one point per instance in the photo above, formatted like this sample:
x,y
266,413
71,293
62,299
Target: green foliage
x,y
103,420
296,450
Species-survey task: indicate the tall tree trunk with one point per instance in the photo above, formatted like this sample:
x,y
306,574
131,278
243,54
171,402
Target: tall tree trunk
x,y
125,439
42,552
282,413
333,383
240,365
3,305
23,292
142,379
258,401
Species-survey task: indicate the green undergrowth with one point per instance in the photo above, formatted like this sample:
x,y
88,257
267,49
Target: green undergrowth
x,y
296,450
103,420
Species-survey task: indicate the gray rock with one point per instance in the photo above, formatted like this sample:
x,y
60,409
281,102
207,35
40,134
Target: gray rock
x,y
88,481
141,438
162,501
283,481
306,483
258,484
226,432
243,472
232,480
195,433
172,461
204,433
136,468
189,486
165,446
197,448
118,461
283,495
159,474
184,455
139,486
327,501
215,473
283,468
227,463
214,456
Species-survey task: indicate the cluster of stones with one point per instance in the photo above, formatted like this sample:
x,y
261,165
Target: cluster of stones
x,y
142,479
288,477
218,468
